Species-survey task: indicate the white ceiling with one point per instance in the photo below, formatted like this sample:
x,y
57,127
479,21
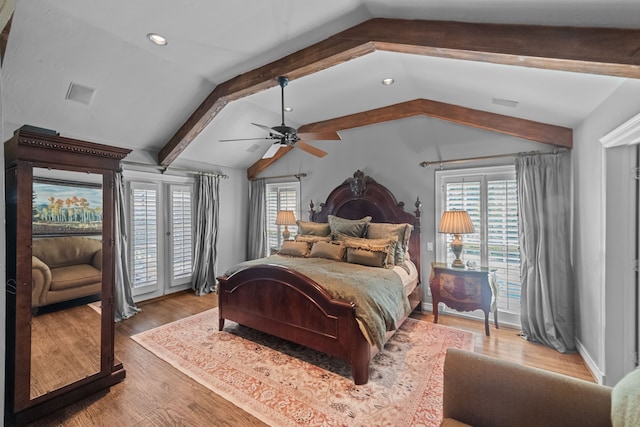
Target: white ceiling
x,y
144,93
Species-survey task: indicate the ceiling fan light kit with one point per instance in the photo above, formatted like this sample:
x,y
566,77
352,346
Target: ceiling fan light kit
x,y
286,135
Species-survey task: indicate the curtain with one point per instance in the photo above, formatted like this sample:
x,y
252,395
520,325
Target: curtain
x,y
257,235
125,307
206,239
547,297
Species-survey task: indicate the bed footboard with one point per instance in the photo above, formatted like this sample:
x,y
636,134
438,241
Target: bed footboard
x,y
287,304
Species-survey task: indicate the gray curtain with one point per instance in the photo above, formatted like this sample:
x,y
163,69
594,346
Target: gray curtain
x,y
125,307
547,313
206,239
257,235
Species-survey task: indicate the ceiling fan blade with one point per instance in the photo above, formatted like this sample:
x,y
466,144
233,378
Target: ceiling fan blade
x,y
310,149
320,136
270,130
271,151
246,139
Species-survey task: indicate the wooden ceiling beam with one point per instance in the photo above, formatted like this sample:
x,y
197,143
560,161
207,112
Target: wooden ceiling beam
x,y
609,51
520,128
262,164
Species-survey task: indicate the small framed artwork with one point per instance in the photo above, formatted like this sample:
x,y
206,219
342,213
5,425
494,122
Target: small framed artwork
x,y
62,208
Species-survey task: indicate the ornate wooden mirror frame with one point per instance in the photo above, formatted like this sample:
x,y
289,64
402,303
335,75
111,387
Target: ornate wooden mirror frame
x,y
25,151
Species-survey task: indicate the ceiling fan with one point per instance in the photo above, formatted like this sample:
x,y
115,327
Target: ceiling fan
x,y
284,135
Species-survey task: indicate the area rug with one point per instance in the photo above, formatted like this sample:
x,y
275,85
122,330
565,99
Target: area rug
x,y
284,384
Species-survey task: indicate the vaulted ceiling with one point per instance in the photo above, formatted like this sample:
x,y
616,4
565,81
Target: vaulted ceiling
x,y
450,60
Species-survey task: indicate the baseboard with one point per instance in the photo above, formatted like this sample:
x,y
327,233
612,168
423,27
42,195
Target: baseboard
x,y
428,307
591,364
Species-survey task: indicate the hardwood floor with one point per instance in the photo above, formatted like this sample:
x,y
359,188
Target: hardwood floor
x,y
155,394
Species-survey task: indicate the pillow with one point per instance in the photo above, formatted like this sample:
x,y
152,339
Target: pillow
x,y
311,239
386,245
329,250
313,228
293,248
625,400
350,227
371,257
401,232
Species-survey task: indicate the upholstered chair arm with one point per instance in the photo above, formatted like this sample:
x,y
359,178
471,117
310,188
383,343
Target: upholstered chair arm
x,y
96,261
484,391
40,280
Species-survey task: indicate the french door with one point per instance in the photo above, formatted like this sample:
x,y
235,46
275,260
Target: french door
x,y
161,237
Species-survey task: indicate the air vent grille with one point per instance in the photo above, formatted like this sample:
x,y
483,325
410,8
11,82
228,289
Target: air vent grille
x,y
80,93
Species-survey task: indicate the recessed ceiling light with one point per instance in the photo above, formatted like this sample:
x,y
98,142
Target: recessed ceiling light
x,y
288,109
157,39
388,81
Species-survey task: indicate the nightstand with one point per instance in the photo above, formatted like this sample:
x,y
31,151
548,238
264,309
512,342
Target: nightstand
x,y
464,290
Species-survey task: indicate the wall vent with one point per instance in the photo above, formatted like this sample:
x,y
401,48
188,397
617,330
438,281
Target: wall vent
x,y
79,93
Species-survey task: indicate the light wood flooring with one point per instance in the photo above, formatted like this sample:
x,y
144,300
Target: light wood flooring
x,y
155,394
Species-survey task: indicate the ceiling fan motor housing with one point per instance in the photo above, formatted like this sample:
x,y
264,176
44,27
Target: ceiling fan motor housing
x,y
290,136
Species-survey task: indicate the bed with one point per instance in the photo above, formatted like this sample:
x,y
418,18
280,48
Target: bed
x,y
281,301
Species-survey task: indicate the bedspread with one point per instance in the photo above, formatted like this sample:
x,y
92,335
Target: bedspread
x,y
377,293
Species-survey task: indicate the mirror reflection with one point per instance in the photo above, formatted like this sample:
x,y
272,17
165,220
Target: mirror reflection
x,y
67,278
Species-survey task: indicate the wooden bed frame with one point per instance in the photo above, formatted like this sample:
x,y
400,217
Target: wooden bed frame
x,y
287,304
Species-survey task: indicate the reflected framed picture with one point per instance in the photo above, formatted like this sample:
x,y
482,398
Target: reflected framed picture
x,y
62,208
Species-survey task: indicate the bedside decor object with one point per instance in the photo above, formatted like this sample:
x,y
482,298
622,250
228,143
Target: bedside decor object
x,y
464,290
456,222
286,218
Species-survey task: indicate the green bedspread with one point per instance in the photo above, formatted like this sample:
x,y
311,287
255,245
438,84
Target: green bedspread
x,y
377,293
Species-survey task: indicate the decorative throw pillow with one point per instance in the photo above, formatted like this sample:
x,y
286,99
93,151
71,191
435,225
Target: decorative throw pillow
x,y
313,228
350,227
329,250
402,233
625,401
371,257
311,239
293,248
386,245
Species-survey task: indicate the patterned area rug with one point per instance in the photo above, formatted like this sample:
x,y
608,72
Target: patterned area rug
x,y
285,384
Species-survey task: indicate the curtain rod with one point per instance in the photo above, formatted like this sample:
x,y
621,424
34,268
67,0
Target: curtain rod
x,y
164,169
296,175
470,159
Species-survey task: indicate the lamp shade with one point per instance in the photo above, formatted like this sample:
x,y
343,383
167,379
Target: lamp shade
x,y
456,222
286,218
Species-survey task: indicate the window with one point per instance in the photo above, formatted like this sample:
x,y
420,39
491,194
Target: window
x,y
490,197
144,232
181,231
281,196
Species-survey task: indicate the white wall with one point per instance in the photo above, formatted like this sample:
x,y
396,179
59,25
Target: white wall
x,y
602,260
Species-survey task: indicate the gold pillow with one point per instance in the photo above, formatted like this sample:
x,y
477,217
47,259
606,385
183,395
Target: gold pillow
x,y
293,248
313,228
370,257
329,250
401,232
375,245
311,239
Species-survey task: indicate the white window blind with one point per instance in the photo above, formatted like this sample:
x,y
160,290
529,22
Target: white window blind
x,y
144,227
281,196
181,231
490,197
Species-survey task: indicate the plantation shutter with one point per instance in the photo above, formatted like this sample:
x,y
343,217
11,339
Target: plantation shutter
x,y
503,242
144,234
283,196
466,196
181,231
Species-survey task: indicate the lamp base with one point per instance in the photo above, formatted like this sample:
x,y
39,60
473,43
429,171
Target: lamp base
x,y
456,248
285,233
457,263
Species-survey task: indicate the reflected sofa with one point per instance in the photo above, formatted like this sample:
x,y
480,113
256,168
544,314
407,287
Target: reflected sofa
x,y
484,391
65,268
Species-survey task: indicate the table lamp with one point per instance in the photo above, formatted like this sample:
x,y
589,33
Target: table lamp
x,y
456,222
286,218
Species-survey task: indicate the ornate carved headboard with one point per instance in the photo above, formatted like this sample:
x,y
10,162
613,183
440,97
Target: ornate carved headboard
x,y
360,196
